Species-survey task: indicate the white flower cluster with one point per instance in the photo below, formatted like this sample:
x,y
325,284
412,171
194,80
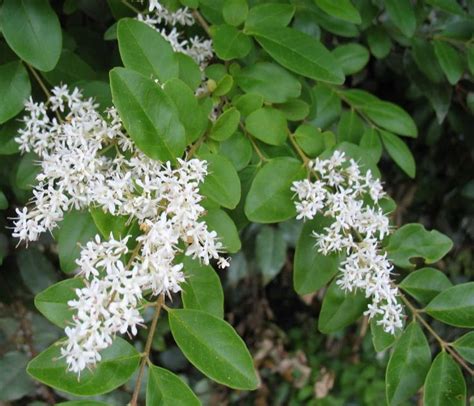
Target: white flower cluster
x,y
88,161
339,192
198,48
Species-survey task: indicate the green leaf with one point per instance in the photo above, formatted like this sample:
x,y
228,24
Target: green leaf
x,y
15,88
327,106
465,346
342,9
371,143
238,150
52,302
189,71
14,382
219,221
260,78
230,43
350,128
118,364
248,103
214,348
69,69
107,223
76,229
425,58
425,284
270,252
381,339
3,201
311,269
332,24
268,125
36,270
166,389
454,306
352,58
294,109
450,61
450,6
270,199
148,115
144,50
191,115
224,86
270,14
379,41
299,53
340,309
445,384
27,171
235,11
8,133
311,140
399,152
202,289
408,365
414,241
31,28
98,90
222,184
402,14
225,125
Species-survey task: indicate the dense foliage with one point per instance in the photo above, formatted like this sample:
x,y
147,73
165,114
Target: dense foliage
x,y
310,161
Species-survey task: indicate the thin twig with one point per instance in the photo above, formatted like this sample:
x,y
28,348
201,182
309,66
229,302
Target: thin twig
x,y
146,353
262,157
202,22
127,4
298,149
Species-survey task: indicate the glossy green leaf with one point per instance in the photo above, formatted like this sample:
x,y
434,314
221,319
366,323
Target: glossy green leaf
x,y
235,11
414,241
31,28
350,127
269,14
144,50
270,252
225,125
352,58
408,365
340,309
15,88
222,184
326,105
343,9
299,53
379,41
268,125
52,302
424,284
260,78
230,43
445,384
167,389
454,306
311,269
399,152
202,289
148,115
371,143
402,14
76,229
219,221
450,61
70,69
464,345
213,347
270,199
118,364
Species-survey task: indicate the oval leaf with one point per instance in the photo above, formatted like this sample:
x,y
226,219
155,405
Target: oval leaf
x,y
268,125
15,88
425,284
465,346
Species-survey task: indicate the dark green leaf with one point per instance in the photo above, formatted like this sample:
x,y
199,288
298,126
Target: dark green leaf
x,y
69,69
15,88
450,61
402,14
450,6
327,105
270,252
425,284
36,270
350,128
27,171
399,152
8,132
213,347
230,43
269,14
371,143
268,125
379,41
390,117
425,58
351,57
219,221
465,346
408,365
342,9
14,382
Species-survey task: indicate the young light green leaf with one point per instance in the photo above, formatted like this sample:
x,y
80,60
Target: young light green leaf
x,y
424,284
52,302
352,58
15,88
148,115
31,28
235,12
144,50
219,221
312,270
230,43
402,14
464,345
342,9
202,289
408,365
299,53
454,306
213,347
270,252
268,125
414,241
118,364
260,78
450,61
167,389
399,152
224,86
269,14
222,184
225,125
445,384
270,199
340,309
